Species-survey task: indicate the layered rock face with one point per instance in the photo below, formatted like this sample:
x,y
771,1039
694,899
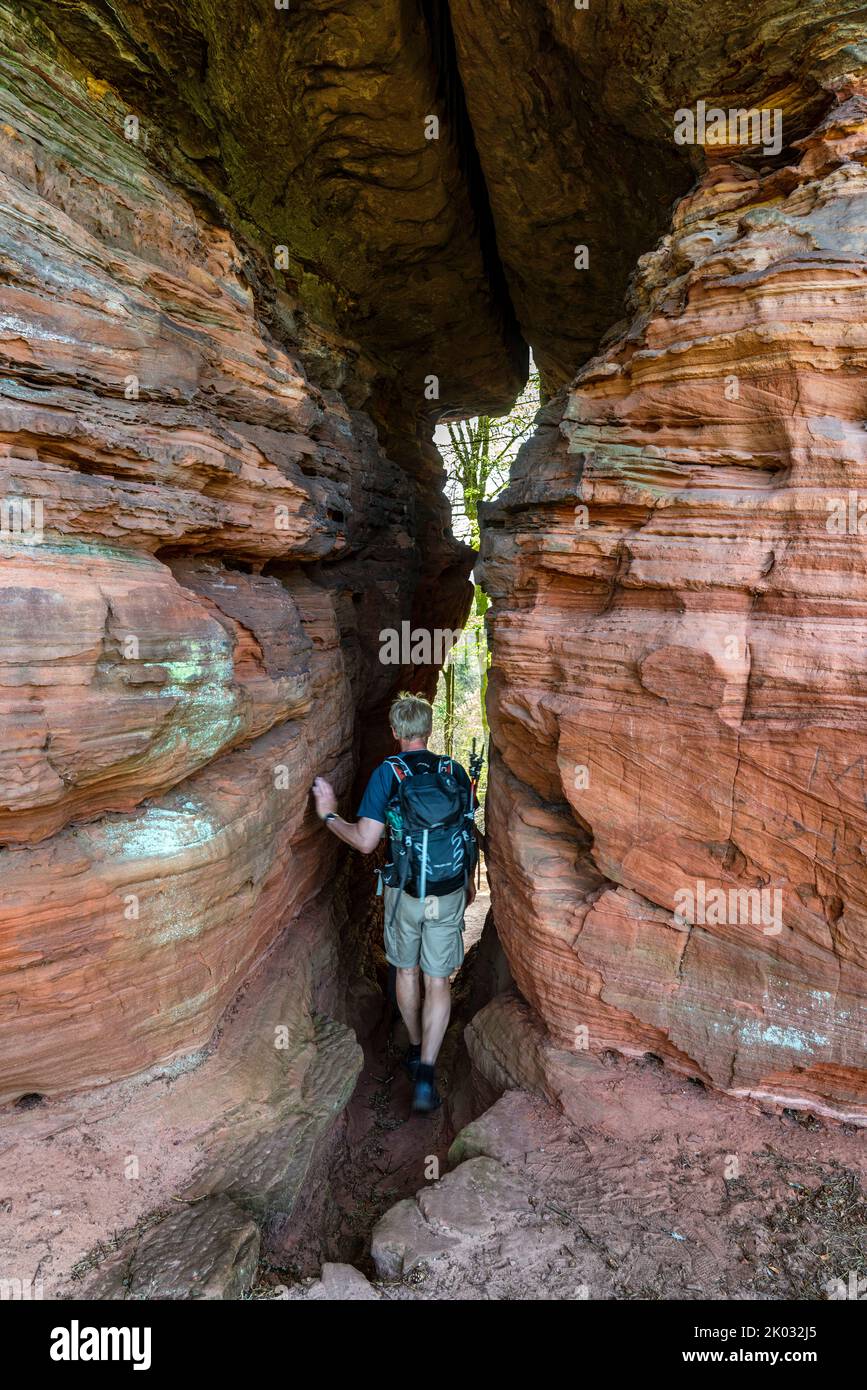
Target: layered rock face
x,y
199,549
313,125
676,813
572,111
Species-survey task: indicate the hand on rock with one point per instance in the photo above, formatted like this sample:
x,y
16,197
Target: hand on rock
x,y
323,795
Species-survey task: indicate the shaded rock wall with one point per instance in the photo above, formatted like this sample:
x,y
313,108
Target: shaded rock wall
x,y
309,124
447,251
678,697
572,113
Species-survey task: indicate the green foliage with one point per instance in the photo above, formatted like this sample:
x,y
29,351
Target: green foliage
x,y
458,712
477,455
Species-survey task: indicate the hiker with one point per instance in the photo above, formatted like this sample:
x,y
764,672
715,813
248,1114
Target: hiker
x,y
428,804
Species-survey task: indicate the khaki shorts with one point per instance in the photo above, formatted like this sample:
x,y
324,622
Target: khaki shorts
x,y
425,931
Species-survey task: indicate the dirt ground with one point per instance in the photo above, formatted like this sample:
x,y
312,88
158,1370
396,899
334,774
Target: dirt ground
x,y
389,1152
539,1209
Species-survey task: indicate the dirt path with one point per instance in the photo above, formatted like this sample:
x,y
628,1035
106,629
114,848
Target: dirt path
x,y
664,1192
388,1153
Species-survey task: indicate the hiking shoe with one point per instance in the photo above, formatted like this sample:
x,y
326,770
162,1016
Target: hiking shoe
x,y
425,1097
410,1064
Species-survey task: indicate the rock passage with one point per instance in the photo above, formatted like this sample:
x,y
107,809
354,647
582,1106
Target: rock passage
x,y
249,259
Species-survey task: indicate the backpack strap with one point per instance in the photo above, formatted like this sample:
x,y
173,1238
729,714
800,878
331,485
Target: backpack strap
x,y
399,767
401,772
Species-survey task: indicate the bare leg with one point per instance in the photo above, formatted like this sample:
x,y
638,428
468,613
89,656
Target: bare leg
x,y
409,1001
435,1016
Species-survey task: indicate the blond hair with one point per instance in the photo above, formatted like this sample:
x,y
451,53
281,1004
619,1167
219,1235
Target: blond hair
x,y
411,716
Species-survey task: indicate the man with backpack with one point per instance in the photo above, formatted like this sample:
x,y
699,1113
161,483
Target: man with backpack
x,y
427,803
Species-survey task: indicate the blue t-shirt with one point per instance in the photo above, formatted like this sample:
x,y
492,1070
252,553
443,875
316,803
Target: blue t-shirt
x,y
383,786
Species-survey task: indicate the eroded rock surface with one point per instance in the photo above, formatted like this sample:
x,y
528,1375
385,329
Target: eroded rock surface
x,y
440,248
311,126
209,1250
166,703
255,1118
678,699
573,113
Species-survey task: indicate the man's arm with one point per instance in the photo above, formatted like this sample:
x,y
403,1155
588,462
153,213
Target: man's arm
x,y
363,835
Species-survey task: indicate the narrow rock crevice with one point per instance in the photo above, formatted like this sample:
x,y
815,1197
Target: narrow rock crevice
x,y
459,130
239,286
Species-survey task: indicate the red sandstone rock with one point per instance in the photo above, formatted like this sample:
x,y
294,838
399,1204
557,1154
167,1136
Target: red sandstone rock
x,y
342,1283
165,704
209,1250
678,694
243,1118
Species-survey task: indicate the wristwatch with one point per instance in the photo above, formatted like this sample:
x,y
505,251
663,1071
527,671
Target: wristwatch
x,y
331,815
